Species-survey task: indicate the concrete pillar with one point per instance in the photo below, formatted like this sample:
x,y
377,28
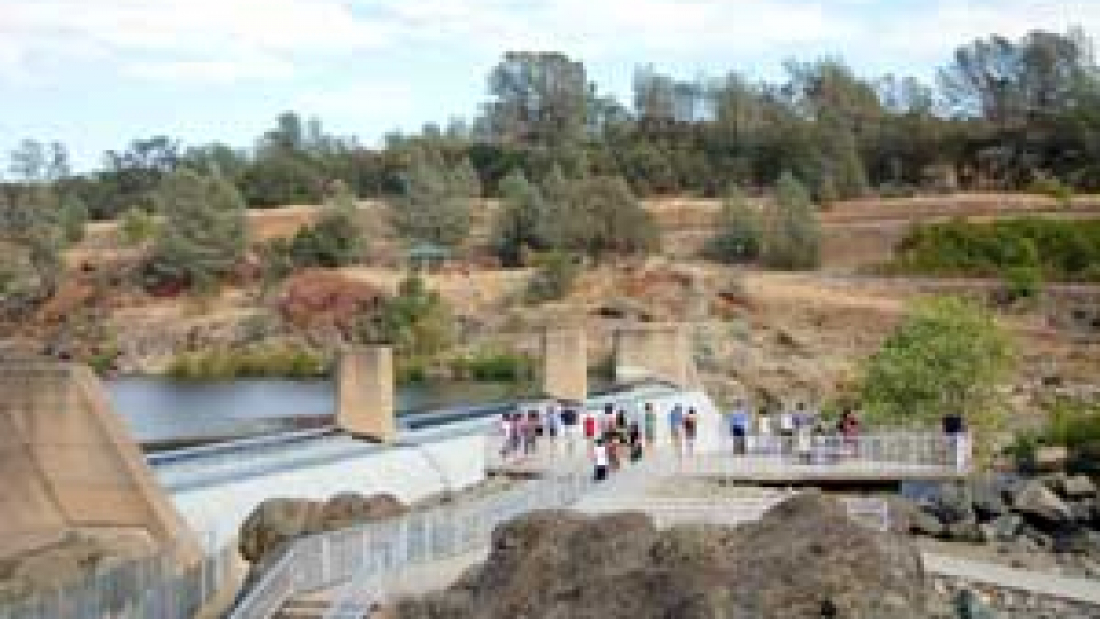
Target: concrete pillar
x,y
565,364
661,352
364,393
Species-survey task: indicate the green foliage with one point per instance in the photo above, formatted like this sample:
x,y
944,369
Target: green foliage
x,y
436,204
203,234
1023,282
494,366
416,322
73,216
1074,425
792,235
557,272
948,356
262,362
1062,250
593,216
137,226
31,240
739,236
1053,187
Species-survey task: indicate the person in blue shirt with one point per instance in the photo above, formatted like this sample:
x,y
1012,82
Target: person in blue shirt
x,y
676,424
739,426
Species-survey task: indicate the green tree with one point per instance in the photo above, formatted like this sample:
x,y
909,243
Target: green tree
x,y
948,356
416,322
436,202
73,216
31,240
739,235
203,234
516,225
336,239
539,98
792,234
137,226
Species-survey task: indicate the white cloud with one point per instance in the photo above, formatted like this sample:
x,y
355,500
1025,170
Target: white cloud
x,y
238,39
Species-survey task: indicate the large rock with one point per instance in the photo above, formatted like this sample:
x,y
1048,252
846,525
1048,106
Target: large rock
x,y
276,522
953,504
1078,487
1035,499
804,558
987,500
1007,527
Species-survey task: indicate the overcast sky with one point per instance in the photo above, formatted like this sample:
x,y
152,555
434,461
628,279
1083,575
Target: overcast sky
x,y
97,73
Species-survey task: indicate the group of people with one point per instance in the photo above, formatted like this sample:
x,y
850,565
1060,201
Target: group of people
x,y
610,435
616,434
789,431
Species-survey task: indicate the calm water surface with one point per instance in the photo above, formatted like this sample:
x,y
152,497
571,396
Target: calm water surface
x,y
160,410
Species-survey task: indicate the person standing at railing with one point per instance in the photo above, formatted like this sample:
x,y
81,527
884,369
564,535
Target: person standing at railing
x,y
691,428
634,442
738,427
530,429
848,426
954,427
568,419
764,432
600,460
675,426
649,424
786,430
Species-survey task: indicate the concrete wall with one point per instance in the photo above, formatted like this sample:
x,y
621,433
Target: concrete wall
x,y
565,364
364,393
408,472
661,352
67,461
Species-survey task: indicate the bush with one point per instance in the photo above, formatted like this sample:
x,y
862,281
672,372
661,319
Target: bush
x,y
137,226
1023,283
266,362
1053,187
740,234
1062,250
554,278
497,367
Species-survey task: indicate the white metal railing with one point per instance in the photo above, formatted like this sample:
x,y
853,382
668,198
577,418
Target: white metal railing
x,y
888,451
153,587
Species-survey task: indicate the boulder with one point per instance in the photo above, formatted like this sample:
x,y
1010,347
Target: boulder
x,y
1080,542
1078,487
274,523
349,509
987,500
925,523
1080,511
952,504
964,531
804,558
1036,500
1007,527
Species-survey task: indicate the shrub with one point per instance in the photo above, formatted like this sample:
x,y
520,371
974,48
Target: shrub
x,y
554,278
499,367
1053,187
740,234
1061,249
262,362
137,226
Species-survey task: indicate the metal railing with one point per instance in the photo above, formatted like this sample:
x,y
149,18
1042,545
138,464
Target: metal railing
x,y
156,586
894,451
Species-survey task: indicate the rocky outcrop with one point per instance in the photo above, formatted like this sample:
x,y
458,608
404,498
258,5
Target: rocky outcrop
x,y
804,558
1056,515
276,522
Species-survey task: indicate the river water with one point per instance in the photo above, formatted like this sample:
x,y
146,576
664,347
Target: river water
x,y
163,410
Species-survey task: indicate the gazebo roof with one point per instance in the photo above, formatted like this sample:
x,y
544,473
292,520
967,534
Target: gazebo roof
x,y
426,249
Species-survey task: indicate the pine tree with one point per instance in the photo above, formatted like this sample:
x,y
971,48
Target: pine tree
x,y
203,234
793,238
740,232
